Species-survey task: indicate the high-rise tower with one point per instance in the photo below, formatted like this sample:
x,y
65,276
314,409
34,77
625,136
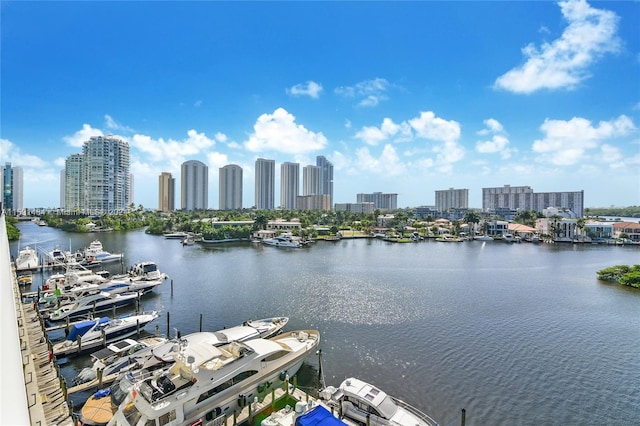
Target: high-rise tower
x,y
12,188
166,192
194,185
230,187
289,185
105,173
311,180
265,184
326,177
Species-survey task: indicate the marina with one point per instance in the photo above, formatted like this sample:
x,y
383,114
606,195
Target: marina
x,y
469,339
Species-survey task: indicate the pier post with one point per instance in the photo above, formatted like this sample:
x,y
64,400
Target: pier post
x,y
138,327
63,384
79,340
99,373
168,322
94,308
114,311
104,337
171,286
463,417
157,330
201,323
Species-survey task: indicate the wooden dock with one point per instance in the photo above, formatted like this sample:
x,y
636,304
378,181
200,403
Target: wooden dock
x,y
45,387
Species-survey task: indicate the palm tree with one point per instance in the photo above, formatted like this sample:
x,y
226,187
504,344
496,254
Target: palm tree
x,y
471,218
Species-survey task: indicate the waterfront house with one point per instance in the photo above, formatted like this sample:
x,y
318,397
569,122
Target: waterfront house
x,y
631,229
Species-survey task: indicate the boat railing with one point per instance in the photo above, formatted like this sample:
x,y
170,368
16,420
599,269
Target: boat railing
x,y
413,410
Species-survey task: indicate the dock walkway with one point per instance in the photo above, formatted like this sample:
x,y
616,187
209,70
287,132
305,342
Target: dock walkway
x,y
27,362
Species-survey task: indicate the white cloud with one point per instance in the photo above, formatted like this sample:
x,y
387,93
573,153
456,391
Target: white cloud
x,y
112,124
372,135
82,135
369,92
612,156
499,143
220,137
388,163
11,153
564,62
429,126
310,88
161,150
215,160
568,142
279,132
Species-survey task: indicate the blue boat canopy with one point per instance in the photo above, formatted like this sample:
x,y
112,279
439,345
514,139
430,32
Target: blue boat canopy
x,y
79,329
319,416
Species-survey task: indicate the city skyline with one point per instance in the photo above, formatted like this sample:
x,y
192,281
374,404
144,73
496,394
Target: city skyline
x,y
407,98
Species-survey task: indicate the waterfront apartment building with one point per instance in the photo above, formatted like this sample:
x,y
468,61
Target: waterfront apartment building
x,y
524,198
326,177
311,184
572,201
230,187
354,207
73,183
452,199
98,180
12,188
194,185
166,192
265,182
289,185
511,197
380,201
314,202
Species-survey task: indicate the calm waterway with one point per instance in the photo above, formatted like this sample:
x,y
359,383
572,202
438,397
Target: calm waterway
x,y
517,334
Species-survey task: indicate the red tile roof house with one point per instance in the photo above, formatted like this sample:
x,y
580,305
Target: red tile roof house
x,y
632,229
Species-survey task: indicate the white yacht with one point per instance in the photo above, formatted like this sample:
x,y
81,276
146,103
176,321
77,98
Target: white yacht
x,y
153,356
283,240
27,259
113,329
97,253
362,403
208,383
90,304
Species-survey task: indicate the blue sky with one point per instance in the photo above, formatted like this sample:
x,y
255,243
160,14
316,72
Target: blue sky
x,y
402,97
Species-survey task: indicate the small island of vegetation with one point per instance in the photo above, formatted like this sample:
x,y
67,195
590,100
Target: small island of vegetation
x,y
622,274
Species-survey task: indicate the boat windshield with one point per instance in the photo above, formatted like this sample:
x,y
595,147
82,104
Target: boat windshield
x,y
150,268
387,407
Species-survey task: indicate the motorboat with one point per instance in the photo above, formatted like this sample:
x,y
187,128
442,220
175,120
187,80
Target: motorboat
x,y
144,271
27,259
25,279
363,403
282,240
91,304
162,354
447,238
310,413
103,329
96,252
483,238
175,235
114,353
208,383
60,257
